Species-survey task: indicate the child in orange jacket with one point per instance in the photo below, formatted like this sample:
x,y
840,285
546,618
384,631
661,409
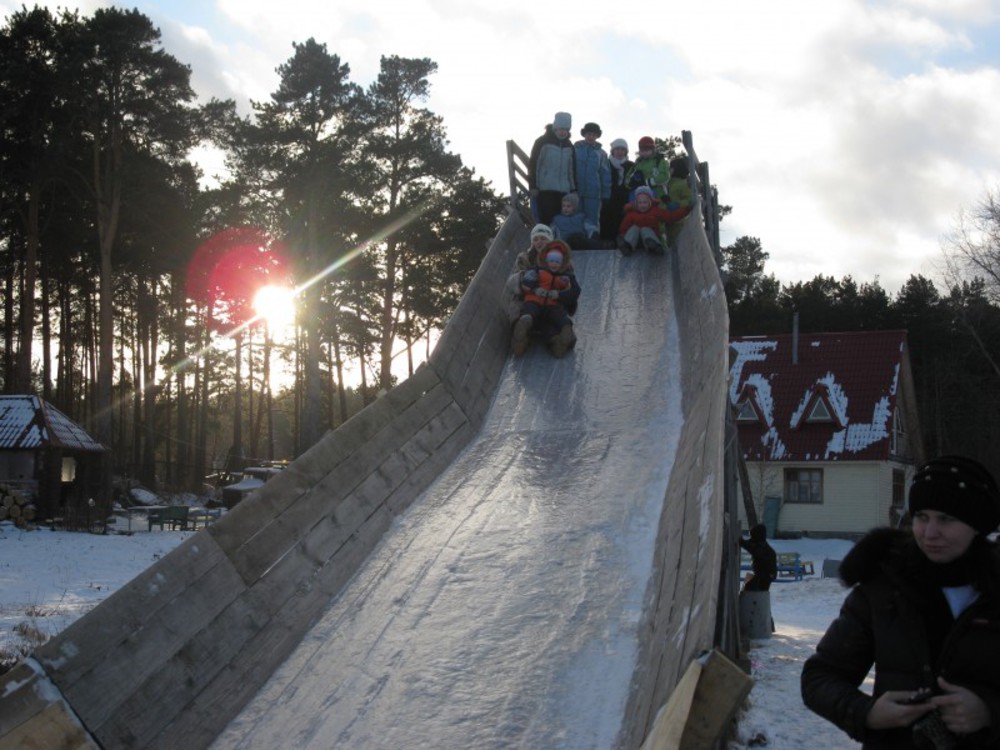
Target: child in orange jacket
x,y
549,288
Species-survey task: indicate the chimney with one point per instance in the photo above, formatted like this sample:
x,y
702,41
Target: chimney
x,y
795,337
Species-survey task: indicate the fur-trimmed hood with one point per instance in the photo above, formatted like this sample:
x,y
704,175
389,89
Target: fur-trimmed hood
x,y
868,557
562,247
894,553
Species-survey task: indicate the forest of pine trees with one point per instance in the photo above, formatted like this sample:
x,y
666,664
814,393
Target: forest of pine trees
x,y
116,308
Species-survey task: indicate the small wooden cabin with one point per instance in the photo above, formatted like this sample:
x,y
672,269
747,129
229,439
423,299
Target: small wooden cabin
x,y
49,461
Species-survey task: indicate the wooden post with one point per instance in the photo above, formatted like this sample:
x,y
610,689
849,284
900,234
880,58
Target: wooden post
x,y
702,705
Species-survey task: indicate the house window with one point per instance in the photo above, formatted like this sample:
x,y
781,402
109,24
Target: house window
x,y
899,445
896,510
898,487
803,485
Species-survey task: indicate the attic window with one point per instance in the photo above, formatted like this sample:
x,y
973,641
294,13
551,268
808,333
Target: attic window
x,y
745,412
819,412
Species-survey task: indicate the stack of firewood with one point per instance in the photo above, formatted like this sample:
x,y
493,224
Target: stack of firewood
x,y
16,505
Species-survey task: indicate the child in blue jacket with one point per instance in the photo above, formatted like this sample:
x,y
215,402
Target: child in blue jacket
x,y
573,227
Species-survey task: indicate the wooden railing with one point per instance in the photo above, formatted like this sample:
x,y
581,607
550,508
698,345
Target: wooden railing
x,y
698,174
520,195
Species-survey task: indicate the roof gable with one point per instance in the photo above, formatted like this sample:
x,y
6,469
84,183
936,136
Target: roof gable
x,y
826,397
28,423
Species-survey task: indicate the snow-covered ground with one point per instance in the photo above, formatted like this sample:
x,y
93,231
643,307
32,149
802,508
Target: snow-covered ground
x,y
50,578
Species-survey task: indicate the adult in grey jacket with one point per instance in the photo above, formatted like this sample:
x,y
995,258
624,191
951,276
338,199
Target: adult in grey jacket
x,y
925,611
552,168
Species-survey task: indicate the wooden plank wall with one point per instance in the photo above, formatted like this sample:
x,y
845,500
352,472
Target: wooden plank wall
x,y
169,659
683,620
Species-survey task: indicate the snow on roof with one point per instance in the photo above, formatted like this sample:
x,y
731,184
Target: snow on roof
x,y
28,423
831,396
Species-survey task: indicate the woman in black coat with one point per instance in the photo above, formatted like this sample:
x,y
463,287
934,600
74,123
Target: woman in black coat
x,y
925,611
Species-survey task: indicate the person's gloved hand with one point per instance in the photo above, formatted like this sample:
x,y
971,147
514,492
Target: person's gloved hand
x,y
530,277
540,292
553,294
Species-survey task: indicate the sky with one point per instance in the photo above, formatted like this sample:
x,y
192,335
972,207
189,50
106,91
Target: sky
x,y
847,136
49,579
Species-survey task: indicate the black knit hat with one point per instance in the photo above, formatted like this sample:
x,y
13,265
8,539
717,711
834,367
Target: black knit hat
x,y
959,486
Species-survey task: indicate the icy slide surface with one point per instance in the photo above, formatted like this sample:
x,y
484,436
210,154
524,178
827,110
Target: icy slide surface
x,y
503,607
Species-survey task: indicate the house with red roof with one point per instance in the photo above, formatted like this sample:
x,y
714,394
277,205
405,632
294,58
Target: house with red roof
x,y
828,428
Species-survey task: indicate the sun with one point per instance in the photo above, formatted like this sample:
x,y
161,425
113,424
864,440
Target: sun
x,y
276,306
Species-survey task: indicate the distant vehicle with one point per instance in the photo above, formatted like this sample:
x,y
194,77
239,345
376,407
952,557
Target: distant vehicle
x,y
253,477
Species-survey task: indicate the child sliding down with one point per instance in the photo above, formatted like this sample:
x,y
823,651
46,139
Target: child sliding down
x,y
548,288
643,223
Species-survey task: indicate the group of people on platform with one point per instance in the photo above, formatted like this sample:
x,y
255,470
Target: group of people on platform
x,y
585,199
595,199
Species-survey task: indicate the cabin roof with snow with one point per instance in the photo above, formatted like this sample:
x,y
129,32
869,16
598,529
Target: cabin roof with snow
x,y
824,397
29,423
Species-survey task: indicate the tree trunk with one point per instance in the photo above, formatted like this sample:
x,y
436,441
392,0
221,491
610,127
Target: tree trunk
x,y
22,375
107,188
387,327
338,361
8,324
46,340
184,436
150,332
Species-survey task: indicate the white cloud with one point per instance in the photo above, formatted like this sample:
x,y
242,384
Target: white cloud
x,y
846,137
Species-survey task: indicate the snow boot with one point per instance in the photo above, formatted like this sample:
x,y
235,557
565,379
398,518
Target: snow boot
x,y
653,247
519,339
624,246
563,341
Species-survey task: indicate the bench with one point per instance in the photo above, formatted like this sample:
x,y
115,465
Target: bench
x,y
791,567
173,516
204,516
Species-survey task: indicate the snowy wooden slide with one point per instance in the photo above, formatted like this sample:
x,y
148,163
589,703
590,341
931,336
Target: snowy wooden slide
x,y
497,553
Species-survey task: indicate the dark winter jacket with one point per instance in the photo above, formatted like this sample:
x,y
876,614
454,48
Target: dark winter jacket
x,y
897,618
764,560
552,164
614,208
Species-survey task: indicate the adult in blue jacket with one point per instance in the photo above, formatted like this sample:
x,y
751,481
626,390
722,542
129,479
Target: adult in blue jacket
x,y
593,173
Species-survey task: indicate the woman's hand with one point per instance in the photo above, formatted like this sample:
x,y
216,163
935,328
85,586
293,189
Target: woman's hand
x,y
890,710
962,711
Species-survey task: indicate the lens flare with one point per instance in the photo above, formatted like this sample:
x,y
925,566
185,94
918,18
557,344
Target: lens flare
x,y
275,305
